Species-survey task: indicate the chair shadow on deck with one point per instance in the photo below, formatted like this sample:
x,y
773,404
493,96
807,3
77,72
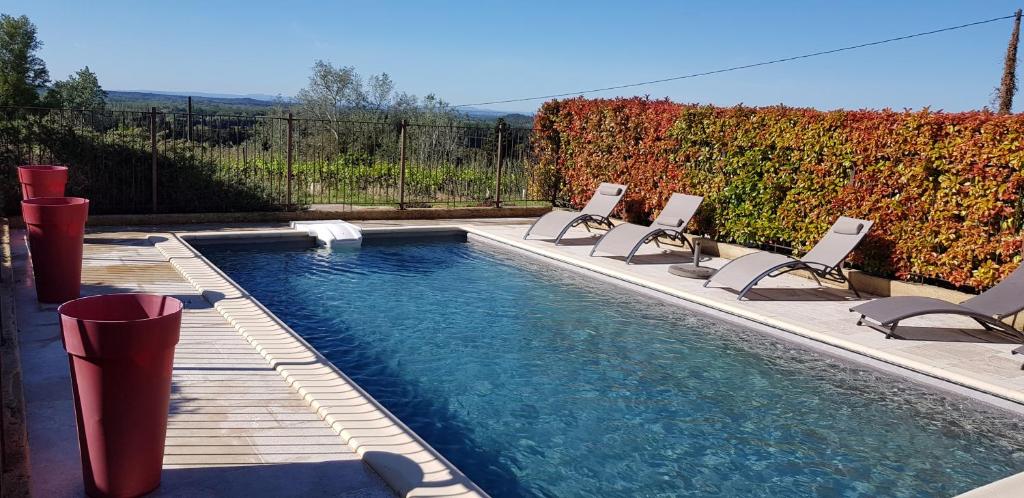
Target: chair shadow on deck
x,y
666,257
798,294
349,477
190,301
341,477
91,239
950,334
572,241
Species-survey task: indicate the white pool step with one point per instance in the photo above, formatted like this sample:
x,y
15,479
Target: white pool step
x,y
332,234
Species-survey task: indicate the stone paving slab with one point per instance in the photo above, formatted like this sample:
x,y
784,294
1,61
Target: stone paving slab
x,y
236,428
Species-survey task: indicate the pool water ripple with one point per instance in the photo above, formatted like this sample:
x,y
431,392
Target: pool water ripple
x,y
536,381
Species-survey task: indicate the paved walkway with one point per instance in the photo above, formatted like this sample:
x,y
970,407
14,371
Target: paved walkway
x,y
236,428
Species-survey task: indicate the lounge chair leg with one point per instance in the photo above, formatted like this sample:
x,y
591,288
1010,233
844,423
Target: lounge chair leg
x,y
758,278
816,279
629,257
747,289
682,238
563,232
632,252
854,289
528,230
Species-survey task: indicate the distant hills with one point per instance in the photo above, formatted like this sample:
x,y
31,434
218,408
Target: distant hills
x,y
253,104
201,103
254,96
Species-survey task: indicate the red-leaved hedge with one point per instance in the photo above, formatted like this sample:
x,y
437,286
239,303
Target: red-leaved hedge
x,y
945,189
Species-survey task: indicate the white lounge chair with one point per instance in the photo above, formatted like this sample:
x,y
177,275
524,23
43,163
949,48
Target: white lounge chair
x,y
598,209
626,239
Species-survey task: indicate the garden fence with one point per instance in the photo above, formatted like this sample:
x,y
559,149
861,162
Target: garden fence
x,y
153,161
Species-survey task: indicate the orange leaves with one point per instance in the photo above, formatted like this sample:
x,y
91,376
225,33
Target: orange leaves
x,y
944,189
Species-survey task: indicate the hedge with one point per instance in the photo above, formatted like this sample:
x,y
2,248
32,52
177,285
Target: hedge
x,y
943,188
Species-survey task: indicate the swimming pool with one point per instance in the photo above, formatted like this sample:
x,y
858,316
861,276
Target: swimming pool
x,y
536,381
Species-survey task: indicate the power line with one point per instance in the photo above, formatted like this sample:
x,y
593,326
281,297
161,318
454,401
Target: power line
x,y
745,66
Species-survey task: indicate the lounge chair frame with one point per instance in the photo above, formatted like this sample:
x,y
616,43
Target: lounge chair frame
x,y
989,323
676,235
830,273
823,261
988,309
582,219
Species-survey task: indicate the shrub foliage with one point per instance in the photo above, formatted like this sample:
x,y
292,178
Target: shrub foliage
x,y
945,189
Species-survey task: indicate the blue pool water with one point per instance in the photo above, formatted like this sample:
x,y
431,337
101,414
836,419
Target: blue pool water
x,y
538,381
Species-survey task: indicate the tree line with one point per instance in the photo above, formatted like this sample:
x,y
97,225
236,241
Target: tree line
x,y
333,93
25,81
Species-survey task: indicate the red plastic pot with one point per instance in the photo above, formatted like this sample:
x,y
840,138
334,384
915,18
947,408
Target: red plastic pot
x,y
40,180
121,350
56,228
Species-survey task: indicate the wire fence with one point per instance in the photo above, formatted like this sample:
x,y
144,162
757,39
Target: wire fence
x,y
152,161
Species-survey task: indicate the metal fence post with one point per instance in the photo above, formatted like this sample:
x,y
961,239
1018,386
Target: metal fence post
x,y
288,199
401,163
497,179
189,122
152,150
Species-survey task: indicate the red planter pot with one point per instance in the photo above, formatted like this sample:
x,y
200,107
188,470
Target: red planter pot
x,y
42,181
121,350
56,227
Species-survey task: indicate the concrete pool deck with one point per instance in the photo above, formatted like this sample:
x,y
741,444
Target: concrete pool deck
x,y
250,396
235,428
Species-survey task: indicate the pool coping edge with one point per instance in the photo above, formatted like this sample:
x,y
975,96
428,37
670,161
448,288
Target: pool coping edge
x,y
406,463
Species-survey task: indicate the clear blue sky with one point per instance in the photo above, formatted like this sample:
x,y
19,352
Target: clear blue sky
x,y
468,52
